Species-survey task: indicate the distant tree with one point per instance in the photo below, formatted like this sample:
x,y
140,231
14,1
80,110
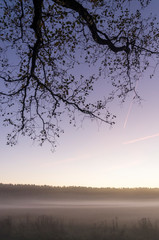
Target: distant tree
x,y
42,44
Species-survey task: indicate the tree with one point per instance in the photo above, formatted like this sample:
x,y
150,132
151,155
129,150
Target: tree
x,y
43,41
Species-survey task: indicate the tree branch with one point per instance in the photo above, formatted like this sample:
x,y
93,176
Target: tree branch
x,y
74,5
145,49
67,102
36,26
21,17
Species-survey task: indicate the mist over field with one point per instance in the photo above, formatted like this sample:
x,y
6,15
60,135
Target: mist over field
x,y
54,213
82,204
84,210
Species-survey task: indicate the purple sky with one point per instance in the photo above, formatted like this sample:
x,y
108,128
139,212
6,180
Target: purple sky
x,y
126,155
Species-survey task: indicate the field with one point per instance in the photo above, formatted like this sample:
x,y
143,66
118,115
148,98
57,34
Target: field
x,y
31,213
49,228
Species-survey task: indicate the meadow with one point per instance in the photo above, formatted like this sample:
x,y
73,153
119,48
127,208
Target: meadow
x,y
49,228
46,213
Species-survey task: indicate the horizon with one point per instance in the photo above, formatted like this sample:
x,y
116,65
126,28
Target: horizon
x,y
69,186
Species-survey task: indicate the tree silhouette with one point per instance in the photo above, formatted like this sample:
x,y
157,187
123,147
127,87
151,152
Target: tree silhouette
x,y
44,41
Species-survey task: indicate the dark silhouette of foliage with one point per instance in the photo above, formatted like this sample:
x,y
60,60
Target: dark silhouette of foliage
x,y
43,43
19,191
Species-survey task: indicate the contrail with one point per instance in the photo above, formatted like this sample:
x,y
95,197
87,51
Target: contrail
x,y
128,113
130,107
141,139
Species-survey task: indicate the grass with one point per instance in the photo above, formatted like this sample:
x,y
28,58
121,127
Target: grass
x,y
49,228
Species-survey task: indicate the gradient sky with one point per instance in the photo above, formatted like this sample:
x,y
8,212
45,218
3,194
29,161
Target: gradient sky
x,y
126,155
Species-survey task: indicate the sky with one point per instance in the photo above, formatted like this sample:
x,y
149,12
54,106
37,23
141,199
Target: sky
x,y
94,155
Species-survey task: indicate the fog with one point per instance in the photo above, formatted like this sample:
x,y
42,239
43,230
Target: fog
x,y
79,204
84,210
